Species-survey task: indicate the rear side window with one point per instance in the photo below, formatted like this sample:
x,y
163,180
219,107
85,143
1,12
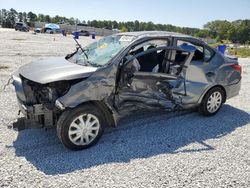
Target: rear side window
x,y
199,49
208,54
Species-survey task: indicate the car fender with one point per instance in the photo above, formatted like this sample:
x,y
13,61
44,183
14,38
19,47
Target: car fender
x,y
209,88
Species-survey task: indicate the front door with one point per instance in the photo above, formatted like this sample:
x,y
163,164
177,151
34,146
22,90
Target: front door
x,y
143,86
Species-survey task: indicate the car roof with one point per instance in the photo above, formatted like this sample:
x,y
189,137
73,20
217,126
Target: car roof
x,y
142,34
155,33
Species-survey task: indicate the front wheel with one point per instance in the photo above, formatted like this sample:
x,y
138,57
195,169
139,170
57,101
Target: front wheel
x,y
81,127
212,102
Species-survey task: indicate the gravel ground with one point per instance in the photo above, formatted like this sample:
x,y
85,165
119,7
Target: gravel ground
x,y
159,150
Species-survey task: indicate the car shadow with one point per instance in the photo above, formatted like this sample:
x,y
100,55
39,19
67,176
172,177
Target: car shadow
x,y
138,136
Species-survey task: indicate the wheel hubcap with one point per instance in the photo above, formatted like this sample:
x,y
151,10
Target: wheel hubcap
x,y
84,129
214,102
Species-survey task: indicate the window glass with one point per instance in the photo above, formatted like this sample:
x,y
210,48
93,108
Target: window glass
x,y
150,44
101,52
198,49
208,54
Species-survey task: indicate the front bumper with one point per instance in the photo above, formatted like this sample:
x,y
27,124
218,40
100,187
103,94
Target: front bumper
x,y
31,110
37,115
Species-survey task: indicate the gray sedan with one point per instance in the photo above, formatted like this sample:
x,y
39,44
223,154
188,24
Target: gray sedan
x,y
95,86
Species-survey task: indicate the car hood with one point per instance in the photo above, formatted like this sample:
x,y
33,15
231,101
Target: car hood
x,y
54,69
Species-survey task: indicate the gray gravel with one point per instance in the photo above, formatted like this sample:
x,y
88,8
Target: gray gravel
x,y
159,150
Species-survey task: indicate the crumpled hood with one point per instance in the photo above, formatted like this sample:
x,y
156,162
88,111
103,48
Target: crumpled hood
x,y
54,69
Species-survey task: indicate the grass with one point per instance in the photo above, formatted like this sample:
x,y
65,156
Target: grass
x,y
240,52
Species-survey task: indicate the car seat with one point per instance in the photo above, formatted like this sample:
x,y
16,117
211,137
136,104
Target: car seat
x,y
149,61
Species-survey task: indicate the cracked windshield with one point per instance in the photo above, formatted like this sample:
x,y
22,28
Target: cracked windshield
x,y
101,52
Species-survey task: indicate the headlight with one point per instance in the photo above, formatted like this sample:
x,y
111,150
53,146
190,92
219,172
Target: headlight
x,y
59,105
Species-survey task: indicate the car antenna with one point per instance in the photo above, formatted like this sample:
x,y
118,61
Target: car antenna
x,y
79,45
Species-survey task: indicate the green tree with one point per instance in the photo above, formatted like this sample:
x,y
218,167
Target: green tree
x,y
203,33
149,26
115,25
11,18
47,18
4,18
20,17
32,17
124,29
137,25
24,17
1,17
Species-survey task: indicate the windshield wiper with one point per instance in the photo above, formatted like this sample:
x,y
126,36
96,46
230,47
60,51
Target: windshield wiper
x,y
95,64
84,51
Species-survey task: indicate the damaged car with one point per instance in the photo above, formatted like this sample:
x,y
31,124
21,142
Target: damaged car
x,y
91,89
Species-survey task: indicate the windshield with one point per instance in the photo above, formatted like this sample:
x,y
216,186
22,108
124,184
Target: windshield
x,y
101,52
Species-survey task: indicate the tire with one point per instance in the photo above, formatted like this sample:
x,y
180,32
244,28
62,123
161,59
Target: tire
x,y
76,135
212,102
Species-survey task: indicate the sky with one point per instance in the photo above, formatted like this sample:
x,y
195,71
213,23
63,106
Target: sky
x,y
184,13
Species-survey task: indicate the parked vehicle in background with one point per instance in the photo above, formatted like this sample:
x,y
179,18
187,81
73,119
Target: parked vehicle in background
x,y
95,86
82,24
108,28
82,33
37,30
52,28
20,26
51,31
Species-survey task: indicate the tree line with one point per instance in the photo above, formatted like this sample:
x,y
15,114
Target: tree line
x,y
235,31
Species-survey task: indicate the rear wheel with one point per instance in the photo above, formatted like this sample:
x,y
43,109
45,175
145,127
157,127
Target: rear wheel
x,y
212,101
81,127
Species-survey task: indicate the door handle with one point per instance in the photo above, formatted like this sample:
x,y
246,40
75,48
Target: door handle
x,y
210,74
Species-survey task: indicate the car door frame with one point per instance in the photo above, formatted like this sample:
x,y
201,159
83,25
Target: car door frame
x,y
196,87
169,81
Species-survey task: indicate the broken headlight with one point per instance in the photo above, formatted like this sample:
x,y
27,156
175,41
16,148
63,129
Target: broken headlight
x,y
50,92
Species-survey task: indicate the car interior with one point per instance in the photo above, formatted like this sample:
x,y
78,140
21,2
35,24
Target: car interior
x,y
149,61
198,51
160,61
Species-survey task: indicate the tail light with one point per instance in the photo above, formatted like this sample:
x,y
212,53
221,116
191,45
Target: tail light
x,y
237,68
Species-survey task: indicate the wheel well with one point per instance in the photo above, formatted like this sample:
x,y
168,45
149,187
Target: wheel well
x,y
218,86
107,112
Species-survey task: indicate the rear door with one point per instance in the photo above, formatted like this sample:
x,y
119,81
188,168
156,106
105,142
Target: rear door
x,y
200,72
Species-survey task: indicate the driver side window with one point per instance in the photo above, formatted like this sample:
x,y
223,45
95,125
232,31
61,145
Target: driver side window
x,y
149,62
